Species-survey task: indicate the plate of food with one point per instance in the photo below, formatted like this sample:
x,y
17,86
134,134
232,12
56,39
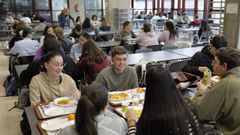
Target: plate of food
x,y
118,96
65,101
54,111
53,124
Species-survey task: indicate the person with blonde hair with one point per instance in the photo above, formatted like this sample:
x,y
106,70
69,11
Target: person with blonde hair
x,y
64,19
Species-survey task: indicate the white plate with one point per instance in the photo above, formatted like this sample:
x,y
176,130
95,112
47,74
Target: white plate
x,y
71,102
54,124
54,111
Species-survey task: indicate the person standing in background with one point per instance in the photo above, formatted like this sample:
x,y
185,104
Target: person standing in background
x,y
64,19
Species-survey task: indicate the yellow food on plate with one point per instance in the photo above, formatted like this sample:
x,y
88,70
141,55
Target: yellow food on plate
x,y
120,96
138,112
140,90
71,117
63,102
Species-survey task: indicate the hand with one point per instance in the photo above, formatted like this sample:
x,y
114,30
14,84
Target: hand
x,y
202,69
131,117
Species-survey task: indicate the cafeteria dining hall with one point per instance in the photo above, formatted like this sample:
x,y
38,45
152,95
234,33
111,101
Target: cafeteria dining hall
x,y
119,67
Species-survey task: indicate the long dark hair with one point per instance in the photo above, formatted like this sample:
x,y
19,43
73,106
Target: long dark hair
x,y
93,100
171,29
50,44
86,23
92,53
45,31
165,111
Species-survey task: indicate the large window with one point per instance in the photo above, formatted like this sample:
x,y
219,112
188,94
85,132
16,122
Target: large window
x,y
190,7
94,7
41,8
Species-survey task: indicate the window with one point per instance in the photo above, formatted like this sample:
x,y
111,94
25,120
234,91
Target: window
x,y
167,6
42,5
94,7
189,8
200,8
23,4
57,7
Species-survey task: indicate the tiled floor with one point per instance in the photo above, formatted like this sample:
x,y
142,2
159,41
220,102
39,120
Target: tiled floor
x,y
9,120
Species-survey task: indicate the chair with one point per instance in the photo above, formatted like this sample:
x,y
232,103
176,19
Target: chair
x,y
155,47
129,48
25,59
169,47
199,44
177,66
143,50
182,44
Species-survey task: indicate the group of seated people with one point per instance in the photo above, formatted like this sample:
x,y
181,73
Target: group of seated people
x,y
54,73
165,110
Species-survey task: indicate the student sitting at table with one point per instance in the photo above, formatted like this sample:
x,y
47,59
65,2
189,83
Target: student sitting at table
x,y
65,42
47,31
170,35
118,76
220,102
51,44
76,31
87,26
147,36
165,111
92,116
92,61
52,83
95,23
18,34
204,31
41,26
76,50
203,60
26,46
125,34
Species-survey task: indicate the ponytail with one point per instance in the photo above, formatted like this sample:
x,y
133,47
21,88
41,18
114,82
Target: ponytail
x,y
85,117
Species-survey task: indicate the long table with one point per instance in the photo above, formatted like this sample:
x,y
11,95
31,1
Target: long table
x,y
32,119
186,51
158,56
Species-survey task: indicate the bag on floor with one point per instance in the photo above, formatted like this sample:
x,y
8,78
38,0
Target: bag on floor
x,y
23,99
10,85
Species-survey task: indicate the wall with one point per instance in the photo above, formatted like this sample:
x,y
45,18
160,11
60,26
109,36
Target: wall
x,y
111,4
81,9
231,25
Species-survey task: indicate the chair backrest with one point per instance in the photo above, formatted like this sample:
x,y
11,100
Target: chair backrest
x,y
143,50
25,59
155,47
183,44
105,28
177,66
169,47
129,48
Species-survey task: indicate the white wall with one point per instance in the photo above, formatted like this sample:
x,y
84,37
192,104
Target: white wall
x,y
122,4
81,10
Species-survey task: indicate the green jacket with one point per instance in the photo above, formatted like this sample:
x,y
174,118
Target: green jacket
x,y
222,103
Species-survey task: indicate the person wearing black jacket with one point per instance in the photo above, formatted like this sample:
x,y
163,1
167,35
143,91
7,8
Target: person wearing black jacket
x,y
202,60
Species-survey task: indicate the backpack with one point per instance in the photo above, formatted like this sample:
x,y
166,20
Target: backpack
x,y
140,68
23,99
10,85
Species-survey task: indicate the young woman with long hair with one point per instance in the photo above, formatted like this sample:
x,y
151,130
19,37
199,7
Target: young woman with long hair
x,y
92,117
92,60
165,111
170,35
